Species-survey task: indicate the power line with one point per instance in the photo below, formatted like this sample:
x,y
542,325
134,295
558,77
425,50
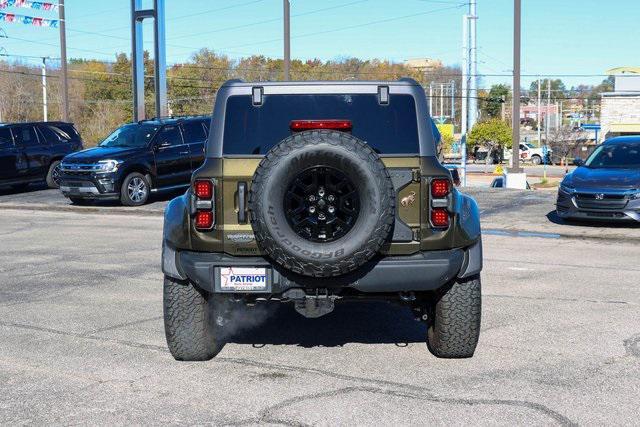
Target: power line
x,y
349,27
279,19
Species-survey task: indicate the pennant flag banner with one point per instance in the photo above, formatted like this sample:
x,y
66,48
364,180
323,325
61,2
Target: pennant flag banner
x,y
28,4
28,20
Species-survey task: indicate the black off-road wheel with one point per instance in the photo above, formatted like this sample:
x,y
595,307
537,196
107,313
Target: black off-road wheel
x,y
53,175
454,326
322,203
189,321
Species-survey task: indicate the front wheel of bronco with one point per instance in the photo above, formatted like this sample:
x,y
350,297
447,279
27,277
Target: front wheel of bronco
x,y
189,322
455,322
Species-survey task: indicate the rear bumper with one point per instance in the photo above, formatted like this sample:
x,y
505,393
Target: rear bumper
x,y
423,271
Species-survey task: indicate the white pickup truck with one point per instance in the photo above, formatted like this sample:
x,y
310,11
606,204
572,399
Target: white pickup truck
x,y
531,153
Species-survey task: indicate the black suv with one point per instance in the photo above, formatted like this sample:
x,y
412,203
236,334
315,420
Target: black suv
x,y
313,193
135,160
31,152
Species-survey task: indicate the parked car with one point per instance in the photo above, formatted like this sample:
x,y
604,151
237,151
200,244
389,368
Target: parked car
x,y
136,160
31,152
499,182
606,186
293,206
535,155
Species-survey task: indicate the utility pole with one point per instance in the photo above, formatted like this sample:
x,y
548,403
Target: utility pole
x,y
44,89
464,97
63,61
547,121
287,41
539,116
515,119
431,99
441,99
453,100
473,58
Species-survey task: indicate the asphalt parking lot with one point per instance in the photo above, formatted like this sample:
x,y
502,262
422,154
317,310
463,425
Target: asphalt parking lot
x,y
83,340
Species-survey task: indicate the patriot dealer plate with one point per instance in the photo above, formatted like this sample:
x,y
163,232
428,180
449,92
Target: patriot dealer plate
x,y
243,279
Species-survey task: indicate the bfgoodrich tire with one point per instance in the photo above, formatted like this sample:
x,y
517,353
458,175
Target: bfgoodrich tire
x,y
189,322
455,323
321,203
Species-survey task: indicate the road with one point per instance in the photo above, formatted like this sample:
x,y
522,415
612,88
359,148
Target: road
x,y
83,341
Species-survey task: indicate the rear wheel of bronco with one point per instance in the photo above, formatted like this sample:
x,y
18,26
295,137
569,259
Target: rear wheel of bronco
x,y
455,322
322,203
189,322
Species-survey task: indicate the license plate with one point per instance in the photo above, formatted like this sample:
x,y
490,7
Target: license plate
x,y
243,279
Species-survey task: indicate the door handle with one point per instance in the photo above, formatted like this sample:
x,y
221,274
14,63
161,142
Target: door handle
x,y
242,196
183,152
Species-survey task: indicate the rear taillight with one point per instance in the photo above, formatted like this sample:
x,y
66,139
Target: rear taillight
x,y
301,125
203,191
204,220
440,187
439,215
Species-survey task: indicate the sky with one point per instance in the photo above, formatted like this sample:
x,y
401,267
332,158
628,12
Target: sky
x,y
576,40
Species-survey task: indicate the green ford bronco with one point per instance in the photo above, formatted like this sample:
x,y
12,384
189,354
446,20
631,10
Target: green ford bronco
x,y
314,193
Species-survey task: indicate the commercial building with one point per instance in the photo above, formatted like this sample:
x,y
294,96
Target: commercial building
x,y
620,109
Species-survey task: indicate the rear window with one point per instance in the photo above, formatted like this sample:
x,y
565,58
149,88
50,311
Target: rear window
x,y
388,129
68,129
194,131
5,136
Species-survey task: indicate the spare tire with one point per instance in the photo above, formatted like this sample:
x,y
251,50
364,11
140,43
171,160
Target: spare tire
x,y
321,203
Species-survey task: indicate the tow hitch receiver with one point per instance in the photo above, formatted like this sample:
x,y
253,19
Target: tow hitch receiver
x,y
312,305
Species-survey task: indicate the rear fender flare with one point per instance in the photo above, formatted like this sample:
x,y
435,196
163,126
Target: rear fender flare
x,y
176,232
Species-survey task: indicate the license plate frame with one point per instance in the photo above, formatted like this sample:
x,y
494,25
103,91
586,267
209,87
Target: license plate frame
x,y
243,279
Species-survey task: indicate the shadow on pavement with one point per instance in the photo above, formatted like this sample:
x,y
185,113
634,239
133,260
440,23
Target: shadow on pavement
x,y
554,218
356,322
22,189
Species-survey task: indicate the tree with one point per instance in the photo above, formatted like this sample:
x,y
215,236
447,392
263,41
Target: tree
x,y
496,97
558,89
563,140
491,133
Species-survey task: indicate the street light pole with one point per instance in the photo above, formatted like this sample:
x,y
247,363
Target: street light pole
x,y
287,41
539,116
464,92
44,89
473,64
515,116
63,61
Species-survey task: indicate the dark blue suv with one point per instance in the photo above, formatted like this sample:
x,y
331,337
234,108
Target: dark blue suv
x,y
31,152
135,160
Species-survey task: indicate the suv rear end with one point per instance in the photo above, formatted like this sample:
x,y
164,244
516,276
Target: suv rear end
x,y
315,193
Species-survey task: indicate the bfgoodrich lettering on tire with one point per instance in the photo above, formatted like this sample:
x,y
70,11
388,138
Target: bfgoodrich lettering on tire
x,y
321,203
